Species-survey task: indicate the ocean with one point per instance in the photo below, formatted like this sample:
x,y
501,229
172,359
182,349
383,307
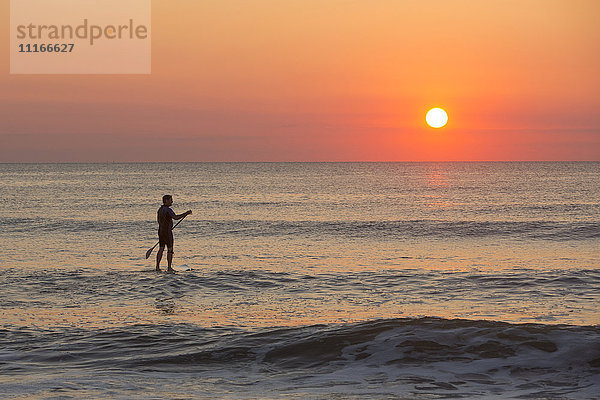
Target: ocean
x,y
302,281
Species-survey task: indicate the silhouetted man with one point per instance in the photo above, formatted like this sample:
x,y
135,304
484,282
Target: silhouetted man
x,y
165,217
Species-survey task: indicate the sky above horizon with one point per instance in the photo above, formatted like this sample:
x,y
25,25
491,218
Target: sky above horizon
x,y
326,80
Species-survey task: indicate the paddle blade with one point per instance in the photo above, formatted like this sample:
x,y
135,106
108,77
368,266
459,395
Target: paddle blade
x,y
149,252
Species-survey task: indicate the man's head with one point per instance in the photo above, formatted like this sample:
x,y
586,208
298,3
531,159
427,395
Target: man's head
x,y
167,199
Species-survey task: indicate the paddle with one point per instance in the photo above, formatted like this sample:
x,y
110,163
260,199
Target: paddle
x,y
150,250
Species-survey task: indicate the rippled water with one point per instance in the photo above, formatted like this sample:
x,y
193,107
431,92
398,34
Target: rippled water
x,y
300,280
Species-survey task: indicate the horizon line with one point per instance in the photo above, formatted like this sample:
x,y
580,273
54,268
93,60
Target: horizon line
x,y
297,162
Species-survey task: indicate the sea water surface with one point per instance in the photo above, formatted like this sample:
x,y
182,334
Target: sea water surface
x,y
302,280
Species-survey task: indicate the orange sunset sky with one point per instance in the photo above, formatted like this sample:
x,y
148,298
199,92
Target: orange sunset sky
x,y
326,80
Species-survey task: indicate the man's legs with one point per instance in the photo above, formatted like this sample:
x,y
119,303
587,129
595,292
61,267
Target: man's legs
x,y
159,257
170,258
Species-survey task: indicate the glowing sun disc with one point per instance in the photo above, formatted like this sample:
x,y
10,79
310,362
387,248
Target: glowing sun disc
x,y
436,118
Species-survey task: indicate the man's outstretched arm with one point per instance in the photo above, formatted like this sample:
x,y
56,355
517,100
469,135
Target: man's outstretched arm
x,y
179,216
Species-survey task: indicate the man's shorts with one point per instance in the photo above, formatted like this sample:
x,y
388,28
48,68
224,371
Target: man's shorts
x,y
165,239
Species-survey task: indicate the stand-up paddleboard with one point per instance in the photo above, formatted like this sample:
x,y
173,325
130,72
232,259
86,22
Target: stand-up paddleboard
x,y
183,268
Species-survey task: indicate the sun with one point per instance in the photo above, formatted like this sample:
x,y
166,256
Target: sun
x,y
436,118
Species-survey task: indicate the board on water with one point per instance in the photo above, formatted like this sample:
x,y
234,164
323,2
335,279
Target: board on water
x,y
175,270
